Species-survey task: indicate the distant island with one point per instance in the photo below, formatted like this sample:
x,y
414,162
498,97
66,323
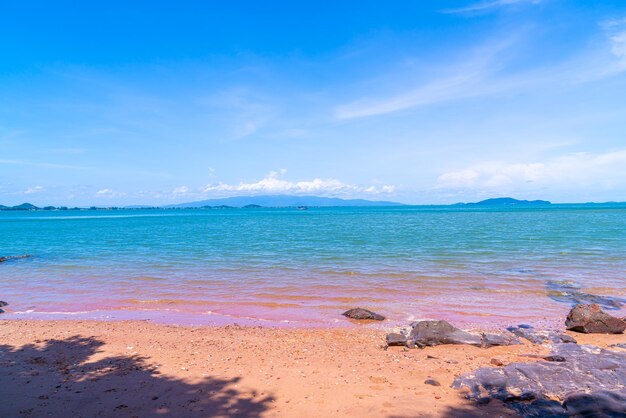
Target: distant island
x,y
245,202
282,201
302,203
508,201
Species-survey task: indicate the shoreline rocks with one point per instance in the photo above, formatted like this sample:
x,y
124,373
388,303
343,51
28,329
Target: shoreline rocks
x,y
363,314
2,304
433,333
591,319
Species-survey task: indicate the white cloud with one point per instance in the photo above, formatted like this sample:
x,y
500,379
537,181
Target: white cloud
x,y
181,190
568,171
32,190
489,5
274,182
109,193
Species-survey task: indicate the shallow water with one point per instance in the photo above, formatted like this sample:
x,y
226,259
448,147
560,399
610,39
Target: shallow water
x,y
303,268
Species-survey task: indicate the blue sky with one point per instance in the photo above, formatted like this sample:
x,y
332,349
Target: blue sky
x,y
115,103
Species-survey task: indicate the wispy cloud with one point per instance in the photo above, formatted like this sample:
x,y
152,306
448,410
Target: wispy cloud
x,y
42,164
485,74
33,190
571,170
274,182
489,5
110,193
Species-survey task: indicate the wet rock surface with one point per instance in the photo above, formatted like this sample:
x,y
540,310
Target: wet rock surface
x,y
591,319
540,337
2,303
363,314
568,292
579,381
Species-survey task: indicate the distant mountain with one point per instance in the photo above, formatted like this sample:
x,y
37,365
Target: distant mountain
x,y
23,206
509,201
282,201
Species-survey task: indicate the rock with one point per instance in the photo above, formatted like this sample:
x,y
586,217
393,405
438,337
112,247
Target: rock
x,y
496,362
432,333
491,340
620,345
396,339
363,314
432,382
591,382
591,319
540,337
3,303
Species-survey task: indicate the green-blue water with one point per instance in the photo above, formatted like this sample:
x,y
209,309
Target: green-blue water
x,y
305,267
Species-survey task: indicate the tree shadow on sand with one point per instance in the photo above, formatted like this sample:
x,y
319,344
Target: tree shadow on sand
x,y
57,379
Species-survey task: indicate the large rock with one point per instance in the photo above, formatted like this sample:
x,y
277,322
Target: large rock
x,y
360,313
586,381
591,319
431,333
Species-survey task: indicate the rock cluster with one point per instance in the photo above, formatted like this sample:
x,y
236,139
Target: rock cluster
x,y
529,333
2,303
591,319
432,333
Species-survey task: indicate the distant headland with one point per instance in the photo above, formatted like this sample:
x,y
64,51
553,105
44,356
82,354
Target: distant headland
x,y
302,202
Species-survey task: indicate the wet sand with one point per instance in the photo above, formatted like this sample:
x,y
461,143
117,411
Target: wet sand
x,y
142,369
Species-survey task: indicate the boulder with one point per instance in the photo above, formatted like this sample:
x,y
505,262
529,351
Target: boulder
x,y
3,303
591,319
363,314
431,333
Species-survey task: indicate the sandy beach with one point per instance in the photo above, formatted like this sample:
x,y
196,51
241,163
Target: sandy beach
x,y
142,369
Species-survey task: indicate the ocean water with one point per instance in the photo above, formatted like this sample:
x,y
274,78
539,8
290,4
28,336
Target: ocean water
x,y
285,267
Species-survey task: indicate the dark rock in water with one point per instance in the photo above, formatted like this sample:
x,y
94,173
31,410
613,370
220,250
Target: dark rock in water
x,y
591,319
1,311
395,339
13,257
619,345
3,303
432,382
570,293
491,340
431,333
540,337
360,313
591,382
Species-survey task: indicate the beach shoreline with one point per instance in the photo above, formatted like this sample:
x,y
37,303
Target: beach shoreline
x,y
139,368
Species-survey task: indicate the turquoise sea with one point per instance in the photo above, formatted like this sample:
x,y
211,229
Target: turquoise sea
x,y
486,266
